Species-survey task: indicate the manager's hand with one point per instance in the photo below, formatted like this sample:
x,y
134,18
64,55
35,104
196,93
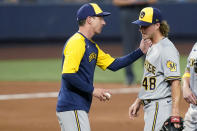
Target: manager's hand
x,y
100,93
145,44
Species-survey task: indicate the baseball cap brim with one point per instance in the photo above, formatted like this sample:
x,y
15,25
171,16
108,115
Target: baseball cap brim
x,y
104,14
142,23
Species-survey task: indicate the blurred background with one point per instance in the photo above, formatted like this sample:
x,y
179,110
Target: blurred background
x,y
38,29
32,36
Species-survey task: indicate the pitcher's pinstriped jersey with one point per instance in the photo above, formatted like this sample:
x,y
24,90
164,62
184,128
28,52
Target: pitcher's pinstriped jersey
x,y
161,65
190,66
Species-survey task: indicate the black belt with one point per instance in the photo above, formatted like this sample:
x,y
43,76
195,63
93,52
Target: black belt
x,y
147,101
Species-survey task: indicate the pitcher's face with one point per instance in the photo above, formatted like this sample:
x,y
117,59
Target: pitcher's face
x,y
148,31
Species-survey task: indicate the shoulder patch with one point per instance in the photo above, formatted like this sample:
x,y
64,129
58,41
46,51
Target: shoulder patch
x,y
172,66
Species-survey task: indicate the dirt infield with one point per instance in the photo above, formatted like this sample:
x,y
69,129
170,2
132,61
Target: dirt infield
x,y
39,114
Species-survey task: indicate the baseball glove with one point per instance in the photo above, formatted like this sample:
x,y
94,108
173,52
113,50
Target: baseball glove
x,y
169,124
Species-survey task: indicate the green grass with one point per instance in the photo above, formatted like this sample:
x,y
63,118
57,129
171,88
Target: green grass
x,y
50,70
30,70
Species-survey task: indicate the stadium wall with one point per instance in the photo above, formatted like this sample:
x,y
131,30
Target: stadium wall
x,y
47,22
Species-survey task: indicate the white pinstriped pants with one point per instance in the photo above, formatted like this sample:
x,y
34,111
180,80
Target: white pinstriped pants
x,y
156,113
76,120
190,121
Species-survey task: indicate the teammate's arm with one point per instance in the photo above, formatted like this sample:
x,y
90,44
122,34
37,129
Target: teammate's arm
x,y
187,93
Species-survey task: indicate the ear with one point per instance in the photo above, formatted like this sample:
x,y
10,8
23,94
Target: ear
x,y
157,25
89,20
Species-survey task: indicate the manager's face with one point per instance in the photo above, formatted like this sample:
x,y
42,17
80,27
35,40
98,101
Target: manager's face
x,y
97,24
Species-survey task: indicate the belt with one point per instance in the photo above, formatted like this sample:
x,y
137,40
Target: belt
x,y
147,101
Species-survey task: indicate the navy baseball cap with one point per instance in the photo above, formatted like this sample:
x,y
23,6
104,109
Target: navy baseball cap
x,y
90,9
149,16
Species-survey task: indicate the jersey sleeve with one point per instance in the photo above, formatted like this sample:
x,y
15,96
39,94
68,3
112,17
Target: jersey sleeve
x,y
170,64
190,60
103,59
73,54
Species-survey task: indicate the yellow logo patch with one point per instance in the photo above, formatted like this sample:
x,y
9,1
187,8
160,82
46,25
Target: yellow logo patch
x,y
92,56
172,66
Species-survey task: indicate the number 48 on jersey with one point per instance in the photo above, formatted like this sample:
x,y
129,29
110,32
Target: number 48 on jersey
x,y
149,83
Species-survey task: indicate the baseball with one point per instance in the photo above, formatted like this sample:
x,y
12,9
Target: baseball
x,y
108,95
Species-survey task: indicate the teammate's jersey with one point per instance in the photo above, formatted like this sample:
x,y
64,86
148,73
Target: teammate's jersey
x,y
190,66
161,65
80,56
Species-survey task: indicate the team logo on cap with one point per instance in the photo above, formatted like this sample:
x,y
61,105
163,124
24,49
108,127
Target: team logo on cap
x,y
172,66
142,14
